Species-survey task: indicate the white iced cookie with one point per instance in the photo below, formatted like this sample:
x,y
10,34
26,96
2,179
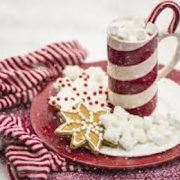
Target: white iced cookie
x,y
62,82
87,88
72,72
96,74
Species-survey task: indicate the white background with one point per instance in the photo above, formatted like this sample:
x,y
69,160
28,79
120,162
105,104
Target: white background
x,y
26,25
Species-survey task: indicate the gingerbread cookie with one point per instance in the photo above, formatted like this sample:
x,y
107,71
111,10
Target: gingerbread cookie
x,y
84,126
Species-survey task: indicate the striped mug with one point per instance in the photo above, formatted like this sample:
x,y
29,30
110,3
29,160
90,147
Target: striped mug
x,y
133,67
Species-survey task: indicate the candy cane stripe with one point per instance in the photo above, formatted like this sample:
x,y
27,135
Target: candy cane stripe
x,y
160,7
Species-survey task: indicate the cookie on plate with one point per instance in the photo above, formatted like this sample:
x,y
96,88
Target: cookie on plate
x,y
84,127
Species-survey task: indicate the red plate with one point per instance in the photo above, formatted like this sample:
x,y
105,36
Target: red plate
x,y
44,126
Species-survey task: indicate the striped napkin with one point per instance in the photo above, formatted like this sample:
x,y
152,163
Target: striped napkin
x,y
21,78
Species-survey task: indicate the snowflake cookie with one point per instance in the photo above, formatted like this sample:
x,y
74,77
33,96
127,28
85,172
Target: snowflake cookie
x,y
84,126
82,89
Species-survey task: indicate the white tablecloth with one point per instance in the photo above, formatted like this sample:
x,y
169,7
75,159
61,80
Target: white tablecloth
x,y
26,25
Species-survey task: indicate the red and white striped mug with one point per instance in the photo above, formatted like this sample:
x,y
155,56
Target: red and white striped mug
x,y
133,66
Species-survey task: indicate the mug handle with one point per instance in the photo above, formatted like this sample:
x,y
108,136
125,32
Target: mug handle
x,y
171,31
176,57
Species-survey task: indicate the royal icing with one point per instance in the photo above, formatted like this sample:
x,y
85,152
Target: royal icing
x,y
86,88
84,126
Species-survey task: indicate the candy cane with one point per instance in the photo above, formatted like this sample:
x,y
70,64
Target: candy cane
x,y
160,7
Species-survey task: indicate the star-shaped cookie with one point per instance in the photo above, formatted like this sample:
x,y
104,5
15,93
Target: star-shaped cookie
x,y
84,126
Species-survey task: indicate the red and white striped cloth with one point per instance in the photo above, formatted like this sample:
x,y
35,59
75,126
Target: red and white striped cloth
x,y
21,78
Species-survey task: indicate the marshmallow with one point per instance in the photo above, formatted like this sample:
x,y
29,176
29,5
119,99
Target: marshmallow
x,y
121,113
141,35
127,141
123,34
150,28
112,137
159,134
132,30
140,135
114,30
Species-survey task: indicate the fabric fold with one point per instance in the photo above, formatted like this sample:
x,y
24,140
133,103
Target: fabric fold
x,y
21,78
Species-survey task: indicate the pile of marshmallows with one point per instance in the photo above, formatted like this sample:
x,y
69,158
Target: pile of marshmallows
x,y
127,130
131,30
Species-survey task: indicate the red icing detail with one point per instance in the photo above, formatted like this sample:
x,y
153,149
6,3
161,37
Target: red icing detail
x,y
102,104
84,92
73,108
74,89
100,87
96,102
78,94
58,98
85,85
111,106
128,58
53,102
66,99
94,93
146,109
90,103
63,85
133,86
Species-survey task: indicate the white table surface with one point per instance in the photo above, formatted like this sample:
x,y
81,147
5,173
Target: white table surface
x,y
26,25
